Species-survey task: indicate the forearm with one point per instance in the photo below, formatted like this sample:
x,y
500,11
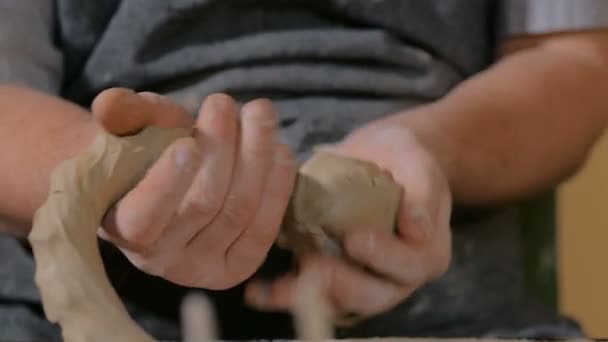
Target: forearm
x,y
36,133
521,126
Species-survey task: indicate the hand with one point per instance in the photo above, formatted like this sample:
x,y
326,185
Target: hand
x,y
401,263
207,212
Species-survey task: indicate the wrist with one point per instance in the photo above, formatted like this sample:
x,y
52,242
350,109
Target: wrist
x,y
39,131
430,130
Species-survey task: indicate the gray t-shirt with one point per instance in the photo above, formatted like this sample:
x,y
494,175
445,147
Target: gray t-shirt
x,y
330,66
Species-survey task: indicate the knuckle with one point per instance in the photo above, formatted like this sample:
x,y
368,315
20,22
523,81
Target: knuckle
x,y
204,206
258,151
236,211
260,116
231,218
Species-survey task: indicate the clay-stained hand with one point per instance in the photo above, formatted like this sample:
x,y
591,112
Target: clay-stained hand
x,y
207,212
400,263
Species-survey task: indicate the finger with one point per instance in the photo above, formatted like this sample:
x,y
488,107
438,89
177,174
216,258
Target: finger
x,y
277,295
121,111
387,255
426,205
216,135
251,248
165,112
254,159
138,221
415,225
351,290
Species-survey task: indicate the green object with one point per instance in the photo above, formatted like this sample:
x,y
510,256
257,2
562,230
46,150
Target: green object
x,y
538,231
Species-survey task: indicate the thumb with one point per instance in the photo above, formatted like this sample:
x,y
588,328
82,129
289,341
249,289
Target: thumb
x,y
121,111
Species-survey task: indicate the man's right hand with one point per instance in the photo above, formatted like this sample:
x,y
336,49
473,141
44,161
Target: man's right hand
x,y
206,214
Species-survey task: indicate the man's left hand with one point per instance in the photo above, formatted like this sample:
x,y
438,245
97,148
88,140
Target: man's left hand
x,y
400,263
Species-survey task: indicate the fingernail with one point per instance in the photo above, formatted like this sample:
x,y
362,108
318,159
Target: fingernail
x,y
153,96
183,156
261,112
283,155
217,102
421,224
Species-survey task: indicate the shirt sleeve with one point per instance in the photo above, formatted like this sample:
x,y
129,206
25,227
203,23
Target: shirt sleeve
x,y
518,17
28,56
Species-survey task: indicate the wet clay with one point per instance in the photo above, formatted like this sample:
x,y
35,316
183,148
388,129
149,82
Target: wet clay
x,y
74,286
333,195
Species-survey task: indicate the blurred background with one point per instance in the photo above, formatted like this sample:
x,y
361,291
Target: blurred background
x,y
582,215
